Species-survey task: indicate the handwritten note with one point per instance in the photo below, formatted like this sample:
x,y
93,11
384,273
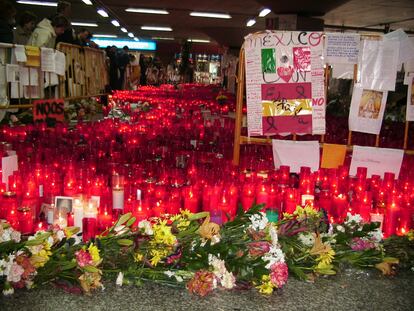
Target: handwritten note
x,y
47,59
296,154
20,53
379,64
29,76
60,63
33,56
12,73
376,160
333,155
367,110
342,48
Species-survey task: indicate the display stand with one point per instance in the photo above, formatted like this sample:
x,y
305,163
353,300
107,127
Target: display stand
x,y
241,140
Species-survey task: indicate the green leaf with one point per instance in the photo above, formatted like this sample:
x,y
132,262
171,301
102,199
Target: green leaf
x,y
131,221
34,242
198,216
125,242
91,269
123,219
68,265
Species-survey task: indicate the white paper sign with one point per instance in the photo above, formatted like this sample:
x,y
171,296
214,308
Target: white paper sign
x,y
343,71
379,64
377,160
16,90
51,79
12,73
296,154
410,100
20,53
407,77
8,166
342,48
406,45
47,58
60,63
367,110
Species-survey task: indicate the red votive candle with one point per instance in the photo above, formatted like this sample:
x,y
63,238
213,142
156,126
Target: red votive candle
x,y
25,216
392,213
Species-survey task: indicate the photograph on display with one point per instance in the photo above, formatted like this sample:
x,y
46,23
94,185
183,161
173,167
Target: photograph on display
x,y
370,104
64,203
412,93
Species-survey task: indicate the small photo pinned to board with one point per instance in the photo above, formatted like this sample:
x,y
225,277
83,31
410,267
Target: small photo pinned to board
x,y
370,104
64,203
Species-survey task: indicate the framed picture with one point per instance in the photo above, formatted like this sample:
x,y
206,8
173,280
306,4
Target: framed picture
x,y
64,203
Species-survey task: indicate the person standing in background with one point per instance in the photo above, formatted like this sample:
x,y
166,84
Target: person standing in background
x,y
47,30
7,21
83,37
64,8
24,29
123,62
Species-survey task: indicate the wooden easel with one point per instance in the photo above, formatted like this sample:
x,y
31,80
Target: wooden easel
x,y
241,140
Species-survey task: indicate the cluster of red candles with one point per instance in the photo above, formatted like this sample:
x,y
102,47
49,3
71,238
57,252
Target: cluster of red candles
x,y
176,156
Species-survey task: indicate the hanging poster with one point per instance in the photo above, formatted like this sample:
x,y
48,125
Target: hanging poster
x,y
342,48
376,160
285,83
296,154
367,110
410,100
379,64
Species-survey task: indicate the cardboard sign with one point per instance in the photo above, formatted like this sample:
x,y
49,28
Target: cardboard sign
x,y
333,155
376,160
296,154
48,110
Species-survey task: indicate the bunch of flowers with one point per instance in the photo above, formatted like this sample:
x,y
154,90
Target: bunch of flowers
x,y
188,250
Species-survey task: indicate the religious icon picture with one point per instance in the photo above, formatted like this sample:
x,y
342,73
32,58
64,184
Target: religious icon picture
x,y
64,203
370,104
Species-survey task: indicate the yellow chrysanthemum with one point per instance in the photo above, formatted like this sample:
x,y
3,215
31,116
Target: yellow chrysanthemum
x,y
326,257
156,257
163,235
138,257
40,255
266,287
94,251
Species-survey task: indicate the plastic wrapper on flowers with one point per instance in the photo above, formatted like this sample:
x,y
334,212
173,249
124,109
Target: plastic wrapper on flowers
x,y
189,251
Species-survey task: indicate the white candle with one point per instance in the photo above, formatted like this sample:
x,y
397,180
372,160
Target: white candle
x,y
118,198
77,213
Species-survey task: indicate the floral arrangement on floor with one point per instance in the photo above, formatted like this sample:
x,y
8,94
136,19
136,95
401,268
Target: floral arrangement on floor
x,y
188,250
86,109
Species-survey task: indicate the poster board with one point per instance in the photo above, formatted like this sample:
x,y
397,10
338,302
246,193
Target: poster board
x,y
48,110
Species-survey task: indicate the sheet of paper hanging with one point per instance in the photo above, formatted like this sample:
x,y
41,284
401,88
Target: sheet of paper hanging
x,y
343,71
342,48
14,90
47,57
3,85
254,76
318,88
367,110
3,58
24,75
12,73
406,45
410,100
32,91
379,64
60,62
20,53
50,79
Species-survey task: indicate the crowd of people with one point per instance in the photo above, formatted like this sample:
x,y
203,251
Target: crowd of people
x,y
46,33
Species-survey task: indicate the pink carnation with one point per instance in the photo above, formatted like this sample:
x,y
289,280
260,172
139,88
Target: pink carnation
x,y
358,244
83,258
279,274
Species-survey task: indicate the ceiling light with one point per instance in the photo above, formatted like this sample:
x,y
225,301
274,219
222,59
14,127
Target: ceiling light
x,y
130,34
133,45
102,13
105,36
264,12
156,28
124,29
251,22
42,3
147,11
87,2
136,39
198,40
84,24
211,15
115,23
162,38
